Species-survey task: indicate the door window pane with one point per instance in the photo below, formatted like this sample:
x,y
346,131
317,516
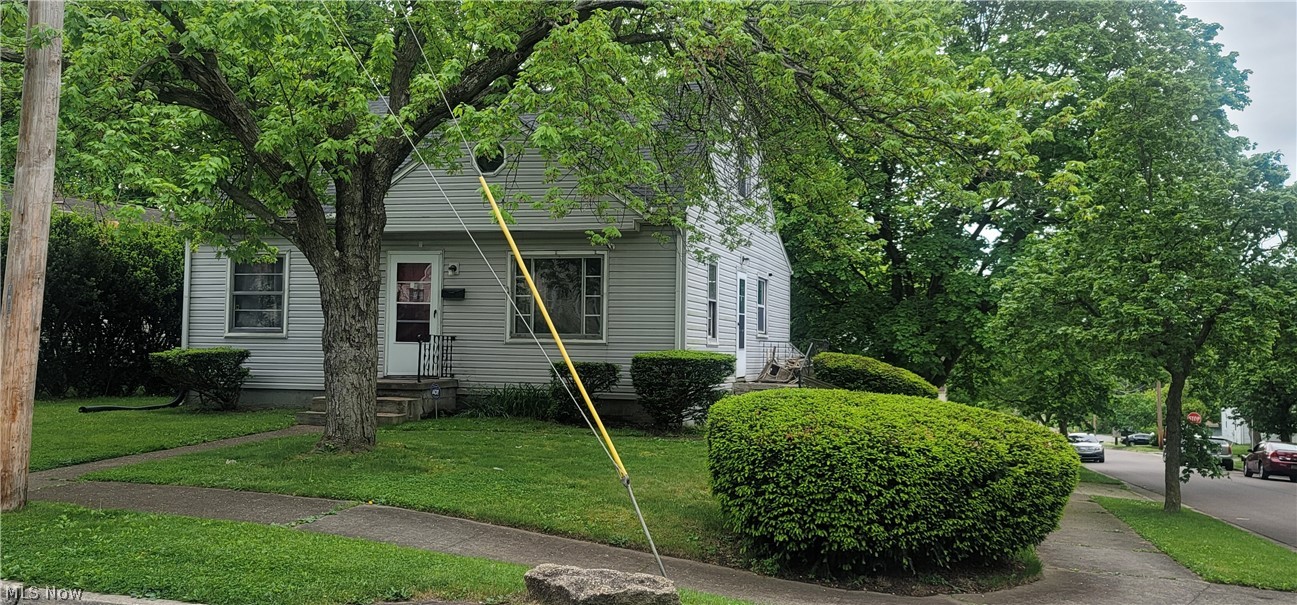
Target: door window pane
x,y
414,299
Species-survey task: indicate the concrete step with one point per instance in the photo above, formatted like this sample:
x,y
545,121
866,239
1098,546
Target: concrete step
x,y
391,410
409,383
389,404
388,419
399,405
312,418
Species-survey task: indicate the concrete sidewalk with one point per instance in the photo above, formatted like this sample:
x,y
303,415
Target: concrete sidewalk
x,y
1092,558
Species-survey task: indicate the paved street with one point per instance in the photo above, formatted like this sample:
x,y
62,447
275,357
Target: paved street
x,y
1268,508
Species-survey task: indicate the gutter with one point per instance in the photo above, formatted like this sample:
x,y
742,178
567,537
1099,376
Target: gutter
x,y
184,302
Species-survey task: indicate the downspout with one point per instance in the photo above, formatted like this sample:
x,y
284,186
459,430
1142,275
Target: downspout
x,y
682,296
184,301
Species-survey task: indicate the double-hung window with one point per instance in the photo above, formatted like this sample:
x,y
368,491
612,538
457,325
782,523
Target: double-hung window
x,y
713,306
258,297
572,288
762,287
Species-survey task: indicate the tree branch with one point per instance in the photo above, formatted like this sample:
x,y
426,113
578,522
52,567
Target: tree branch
x,y
258,209
8,55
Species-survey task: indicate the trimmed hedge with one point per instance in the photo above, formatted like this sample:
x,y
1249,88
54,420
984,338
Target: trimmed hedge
x,y
832,482
597,376
860,373
677,385
216,374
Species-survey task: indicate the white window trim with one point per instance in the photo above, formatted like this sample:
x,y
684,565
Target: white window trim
x,y
763,309
504,161
713,339
230,332
542,331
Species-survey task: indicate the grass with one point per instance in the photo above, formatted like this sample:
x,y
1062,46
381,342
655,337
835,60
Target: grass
x,y
522,473
1089,476
1216,551
230,563
529,474
62,436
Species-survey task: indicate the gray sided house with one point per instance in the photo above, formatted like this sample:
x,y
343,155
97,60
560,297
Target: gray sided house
x,y
647,291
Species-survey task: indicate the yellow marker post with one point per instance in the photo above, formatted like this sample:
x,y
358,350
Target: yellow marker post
x,y
540,304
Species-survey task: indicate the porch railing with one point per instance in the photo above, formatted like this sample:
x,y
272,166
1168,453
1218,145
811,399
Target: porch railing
x,y
436,357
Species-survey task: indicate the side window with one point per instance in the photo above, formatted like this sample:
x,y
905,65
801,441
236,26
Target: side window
x,y
258,297
713,305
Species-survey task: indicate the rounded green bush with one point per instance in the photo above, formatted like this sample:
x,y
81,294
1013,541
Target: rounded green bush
x,y
677,385
860,373
832,482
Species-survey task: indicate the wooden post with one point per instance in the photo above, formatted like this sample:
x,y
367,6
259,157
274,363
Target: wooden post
x,y
24,280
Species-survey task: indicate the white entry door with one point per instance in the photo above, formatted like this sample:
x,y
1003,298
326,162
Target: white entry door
x,y
741,343
413,308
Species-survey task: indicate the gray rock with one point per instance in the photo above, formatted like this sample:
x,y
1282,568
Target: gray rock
x,y
567,585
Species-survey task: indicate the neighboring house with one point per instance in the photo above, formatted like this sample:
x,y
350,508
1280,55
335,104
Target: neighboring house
x,y
1236,429
646,291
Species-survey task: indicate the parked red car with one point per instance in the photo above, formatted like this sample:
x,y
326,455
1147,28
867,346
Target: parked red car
x,y
1272,458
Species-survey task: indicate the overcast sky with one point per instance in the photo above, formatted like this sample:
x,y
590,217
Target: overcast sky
x,y
1264,34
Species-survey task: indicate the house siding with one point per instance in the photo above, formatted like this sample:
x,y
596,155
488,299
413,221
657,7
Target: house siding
x,y
765,258
293,360
415,204
640,309
640,304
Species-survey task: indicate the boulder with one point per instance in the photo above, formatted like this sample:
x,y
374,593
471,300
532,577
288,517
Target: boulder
x,y
567,585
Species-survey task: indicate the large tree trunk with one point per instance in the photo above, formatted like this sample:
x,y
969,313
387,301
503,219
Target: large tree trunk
x,y
1174,416
350,304
350,284
1062,426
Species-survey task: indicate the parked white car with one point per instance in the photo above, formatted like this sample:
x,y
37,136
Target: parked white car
x,y
1087,446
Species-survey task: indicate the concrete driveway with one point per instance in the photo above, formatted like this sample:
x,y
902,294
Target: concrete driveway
x,y
1268,507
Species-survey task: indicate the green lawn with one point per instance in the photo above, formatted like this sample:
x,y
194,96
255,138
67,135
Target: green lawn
x,y
540,476
1089,476
229,563
1216,551
62,436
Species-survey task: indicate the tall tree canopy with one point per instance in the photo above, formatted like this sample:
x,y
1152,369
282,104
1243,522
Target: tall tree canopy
x,y
254,119
1174,239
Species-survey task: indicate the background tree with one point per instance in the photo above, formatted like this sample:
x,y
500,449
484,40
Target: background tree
x,y
1264,392
890,230
904,272
1174,237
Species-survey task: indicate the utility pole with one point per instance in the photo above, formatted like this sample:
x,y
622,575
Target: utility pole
x,y
24,280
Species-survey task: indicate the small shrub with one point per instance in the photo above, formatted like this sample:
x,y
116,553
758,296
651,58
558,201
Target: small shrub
x,y
674,386
216,374
507,401
831,482
597,376
859,373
